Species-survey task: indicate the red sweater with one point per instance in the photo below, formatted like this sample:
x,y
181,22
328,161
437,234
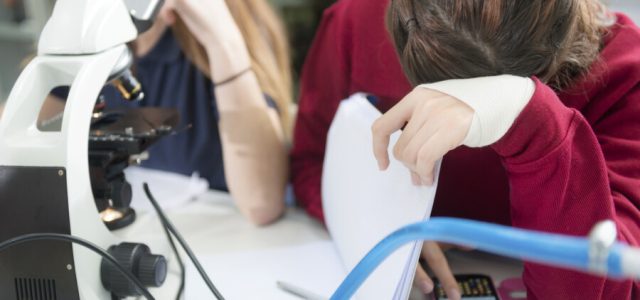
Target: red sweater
x,y
569,161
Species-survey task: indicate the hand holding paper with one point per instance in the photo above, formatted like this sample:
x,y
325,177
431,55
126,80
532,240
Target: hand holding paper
x,y
436,123
362,204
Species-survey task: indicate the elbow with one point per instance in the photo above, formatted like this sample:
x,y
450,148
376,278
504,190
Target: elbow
x,y
260,197
263,218
263,215
260,209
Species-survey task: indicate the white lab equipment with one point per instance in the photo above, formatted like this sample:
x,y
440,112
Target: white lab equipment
x,y
44,176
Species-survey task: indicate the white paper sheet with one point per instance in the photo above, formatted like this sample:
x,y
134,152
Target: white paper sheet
x,y
362,205
171,190
253,274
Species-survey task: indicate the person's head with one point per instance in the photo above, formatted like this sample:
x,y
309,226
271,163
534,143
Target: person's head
x,y
266,41
555,40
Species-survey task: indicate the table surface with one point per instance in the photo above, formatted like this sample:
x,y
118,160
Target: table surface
x,y
212,225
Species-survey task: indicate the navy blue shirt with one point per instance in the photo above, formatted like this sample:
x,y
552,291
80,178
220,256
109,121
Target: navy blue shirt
x,y
169,79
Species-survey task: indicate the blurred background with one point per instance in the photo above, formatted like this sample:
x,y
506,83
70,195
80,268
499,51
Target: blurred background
x,y
22,20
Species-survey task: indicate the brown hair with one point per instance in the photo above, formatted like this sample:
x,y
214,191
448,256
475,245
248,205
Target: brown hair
x,y
267,44
555,40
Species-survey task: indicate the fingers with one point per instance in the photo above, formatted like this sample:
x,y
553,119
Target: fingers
x,y
422,153
434,256
410,131
415,178
423,147
430,152
410,153
387,124
435,124
423,281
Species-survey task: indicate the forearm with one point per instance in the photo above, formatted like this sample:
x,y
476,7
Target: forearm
x,y
253,143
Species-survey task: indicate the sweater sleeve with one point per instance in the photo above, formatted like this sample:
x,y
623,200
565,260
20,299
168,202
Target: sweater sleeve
x,y
324,83
565,175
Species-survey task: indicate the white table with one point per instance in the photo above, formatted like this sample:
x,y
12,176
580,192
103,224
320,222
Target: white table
x,y
212,225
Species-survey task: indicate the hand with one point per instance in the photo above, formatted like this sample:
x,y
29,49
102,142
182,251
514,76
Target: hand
x,y
432,253
436,123
212,24
210,21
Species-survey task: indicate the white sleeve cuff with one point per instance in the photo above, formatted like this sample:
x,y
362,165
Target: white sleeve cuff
x,y
497,102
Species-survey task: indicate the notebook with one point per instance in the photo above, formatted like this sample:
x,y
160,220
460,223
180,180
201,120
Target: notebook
x,y
362,205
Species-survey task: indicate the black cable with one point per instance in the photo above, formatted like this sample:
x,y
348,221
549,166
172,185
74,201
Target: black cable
x,y
183,243
179,259
72,239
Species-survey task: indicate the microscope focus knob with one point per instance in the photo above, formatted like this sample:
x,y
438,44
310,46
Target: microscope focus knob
x,y
152,270
137,258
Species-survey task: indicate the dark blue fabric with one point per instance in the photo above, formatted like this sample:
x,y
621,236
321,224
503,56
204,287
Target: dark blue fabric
x,y
169,79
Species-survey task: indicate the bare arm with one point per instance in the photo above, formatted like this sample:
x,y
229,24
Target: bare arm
x,y
253,143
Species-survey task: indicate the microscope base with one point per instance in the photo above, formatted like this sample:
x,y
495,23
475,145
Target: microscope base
x,y
34,200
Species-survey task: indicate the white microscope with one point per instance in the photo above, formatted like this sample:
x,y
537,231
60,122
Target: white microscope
x,y
44,176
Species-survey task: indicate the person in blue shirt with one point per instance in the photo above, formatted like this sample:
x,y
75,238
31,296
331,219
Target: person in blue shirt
x,y
224,65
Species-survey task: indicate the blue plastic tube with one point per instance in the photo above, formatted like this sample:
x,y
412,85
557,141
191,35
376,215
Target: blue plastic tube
x,y
551,249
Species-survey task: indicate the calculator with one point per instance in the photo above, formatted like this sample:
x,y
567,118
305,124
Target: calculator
x,y
472,287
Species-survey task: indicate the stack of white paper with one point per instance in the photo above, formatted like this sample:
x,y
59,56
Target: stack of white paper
x,y
362,205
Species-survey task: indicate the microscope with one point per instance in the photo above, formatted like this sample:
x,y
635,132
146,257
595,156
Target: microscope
x,y
46,181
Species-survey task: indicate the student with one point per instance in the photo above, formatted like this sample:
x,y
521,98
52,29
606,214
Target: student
x,y
582,117
352,53
237,141
564,122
